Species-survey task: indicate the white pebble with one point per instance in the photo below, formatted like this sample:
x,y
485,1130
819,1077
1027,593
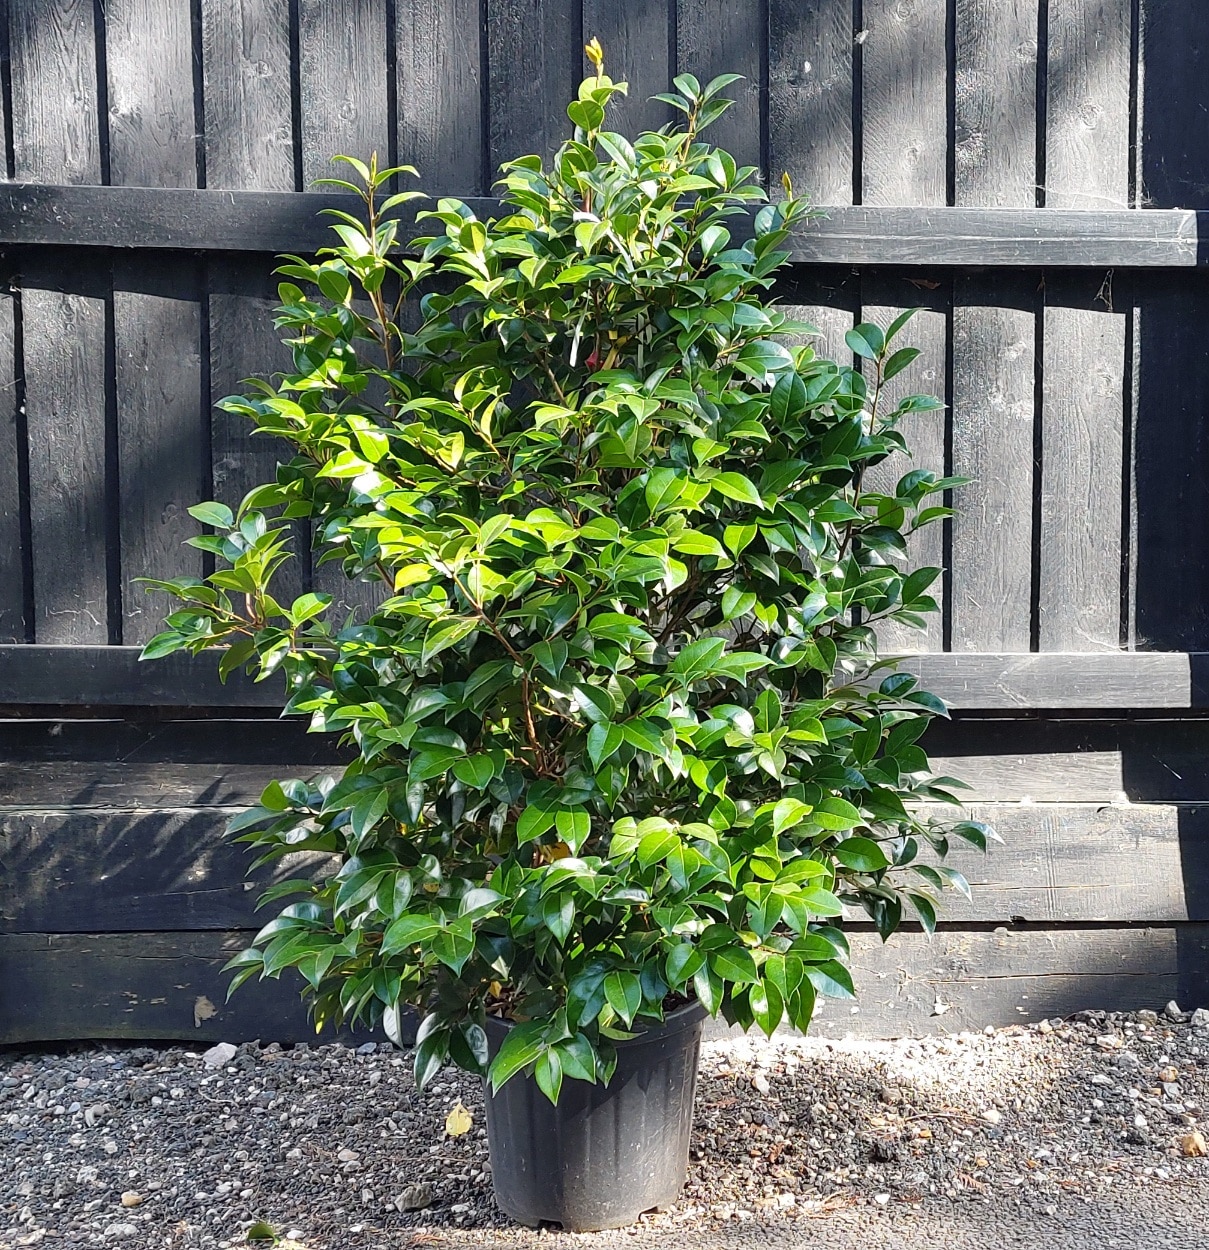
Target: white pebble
x,y
219,1056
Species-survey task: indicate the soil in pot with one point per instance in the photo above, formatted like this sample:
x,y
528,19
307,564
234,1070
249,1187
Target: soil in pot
x,y
604,1154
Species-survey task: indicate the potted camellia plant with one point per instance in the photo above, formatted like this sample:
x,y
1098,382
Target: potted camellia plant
x,y
624,747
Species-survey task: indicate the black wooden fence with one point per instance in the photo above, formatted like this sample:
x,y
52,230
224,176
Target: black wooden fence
x,y
1031,172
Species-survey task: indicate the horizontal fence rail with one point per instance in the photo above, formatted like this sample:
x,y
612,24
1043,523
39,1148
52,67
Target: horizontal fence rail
x,y
285,221
34,676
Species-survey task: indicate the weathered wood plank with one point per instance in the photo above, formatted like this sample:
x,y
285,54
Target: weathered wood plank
x,y
535,64
903,103
810,56
1083,381
244,343
716,37
1172,87
249,145
157,315
163,986
439,82
636,42
52,45
1048,759
992,441
79,785
928,330
342,82
1087,165
246,67
161,446
103,676
65,384
267,221
995,103
152,124
14,587
1087,104
1170,446
965,979
344,111
154,740
215,762
123,871
1121,679
143,985
100,676
1074,863
993,348
52,48
1087,776
91,869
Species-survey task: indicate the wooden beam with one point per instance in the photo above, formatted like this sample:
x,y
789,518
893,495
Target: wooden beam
x,y
88,676
113,677
1055,680
969,978
279,221
82,869
164,986
157,761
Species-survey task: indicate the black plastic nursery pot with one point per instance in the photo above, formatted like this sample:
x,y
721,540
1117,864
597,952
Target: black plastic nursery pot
x,y
604,1154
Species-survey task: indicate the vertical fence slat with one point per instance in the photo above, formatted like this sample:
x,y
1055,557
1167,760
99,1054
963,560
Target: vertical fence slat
x,y
995,92
249,145
65,415
995,162
161,454
52,46
1087,107
904,161
439,93
1170,436
54,74
342,81
810,51
12,562
904,157
535,65
244,343
720,37
1080,590
343,86
635,39
1083,368
994,352
149,58
156,309
246,67
884,299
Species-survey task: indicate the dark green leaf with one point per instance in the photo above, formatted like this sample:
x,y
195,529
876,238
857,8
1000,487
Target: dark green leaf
x,y
865,340
861,855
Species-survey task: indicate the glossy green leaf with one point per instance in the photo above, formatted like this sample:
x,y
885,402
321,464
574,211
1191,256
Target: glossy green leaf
x,y
623,992
734,963
861,855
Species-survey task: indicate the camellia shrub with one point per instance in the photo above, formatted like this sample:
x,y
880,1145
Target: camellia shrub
x,y
622,736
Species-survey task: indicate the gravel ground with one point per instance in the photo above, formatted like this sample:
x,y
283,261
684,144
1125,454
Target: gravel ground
x,y
1078,1133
